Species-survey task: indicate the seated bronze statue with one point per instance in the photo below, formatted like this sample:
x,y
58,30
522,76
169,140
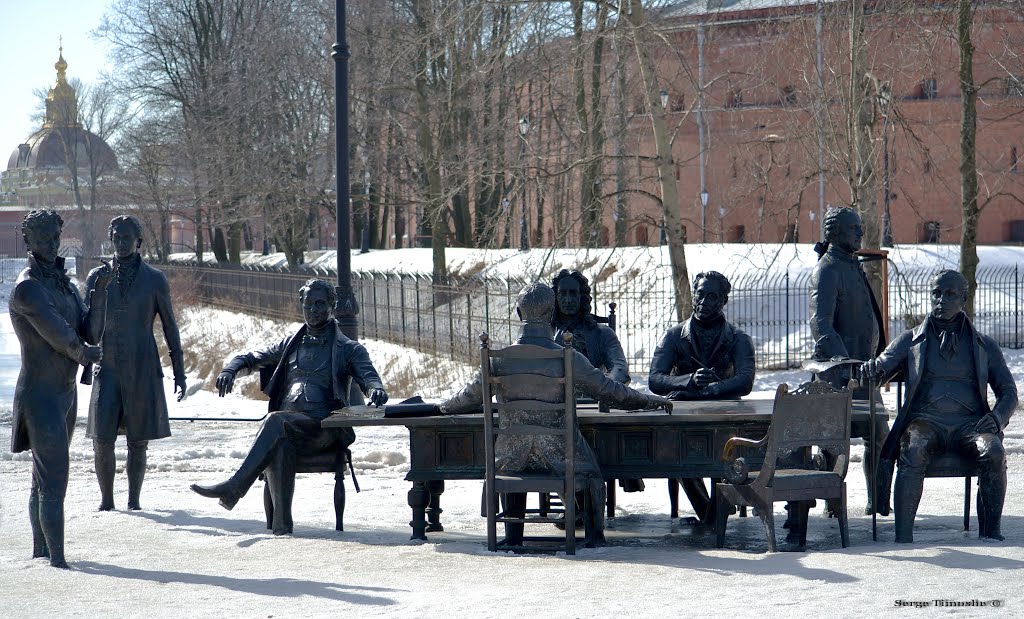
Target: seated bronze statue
x,y
574,313
703,358
306,376
948,367
535,305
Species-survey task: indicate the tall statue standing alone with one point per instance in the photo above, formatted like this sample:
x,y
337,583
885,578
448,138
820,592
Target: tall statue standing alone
x,y
845,319
57,334
128,391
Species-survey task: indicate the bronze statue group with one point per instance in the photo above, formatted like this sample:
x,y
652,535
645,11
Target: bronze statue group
x,y
948,368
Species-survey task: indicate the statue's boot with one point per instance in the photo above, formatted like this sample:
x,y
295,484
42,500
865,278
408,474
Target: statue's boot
x,y
992,494
39,548
51,518
267,442
136,469
909,489
281,481
106,465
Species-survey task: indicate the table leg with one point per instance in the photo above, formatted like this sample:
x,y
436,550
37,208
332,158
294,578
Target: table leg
x,y
435,489
419,498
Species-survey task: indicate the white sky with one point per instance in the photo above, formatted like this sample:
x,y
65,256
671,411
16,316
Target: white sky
x,y
29,37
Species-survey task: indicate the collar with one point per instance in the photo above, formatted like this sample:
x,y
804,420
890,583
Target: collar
x,y
920,332
535,330
129,264
837,254
55,271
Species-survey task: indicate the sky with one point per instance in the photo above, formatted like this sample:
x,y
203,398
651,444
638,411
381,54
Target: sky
x,y
30,35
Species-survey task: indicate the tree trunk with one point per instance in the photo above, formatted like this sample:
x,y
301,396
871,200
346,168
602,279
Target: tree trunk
x,y
665,163
968,165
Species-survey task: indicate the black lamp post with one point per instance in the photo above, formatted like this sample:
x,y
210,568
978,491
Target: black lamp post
x,y
704,216
364,238
346,309
524,237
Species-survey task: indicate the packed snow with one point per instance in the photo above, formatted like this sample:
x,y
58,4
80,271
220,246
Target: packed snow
x,y
183,555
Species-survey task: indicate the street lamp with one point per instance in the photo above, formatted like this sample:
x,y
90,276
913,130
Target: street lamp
x,y
703,216
884,103
346,308
721,224
524,238
364,238
664,99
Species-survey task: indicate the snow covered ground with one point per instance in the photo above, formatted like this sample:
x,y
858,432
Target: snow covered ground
x,y
183,555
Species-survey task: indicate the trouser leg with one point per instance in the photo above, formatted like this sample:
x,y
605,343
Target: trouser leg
x,y
917,446
281,481
597,499
136,469
988,450
105,464
39,548
515,506
881,432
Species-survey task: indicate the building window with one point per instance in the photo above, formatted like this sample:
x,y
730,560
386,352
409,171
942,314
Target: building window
x,y
679,104
606,238
641,235
1014,86
929,89
1016,231
930,232
788,95
792,234
927,166
735,169
735,98
1013,159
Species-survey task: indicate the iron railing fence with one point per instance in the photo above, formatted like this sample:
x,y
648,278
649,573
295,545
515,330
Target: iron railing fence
x,y
772,308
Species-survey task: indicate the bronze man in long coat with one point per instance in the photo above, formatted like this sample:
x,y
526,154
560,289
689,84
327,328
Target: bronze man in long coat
x,y
306,376
56,333
128,390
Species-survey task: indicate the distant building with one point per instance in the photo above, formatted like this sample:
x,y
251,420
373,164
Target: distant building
x,y
39,171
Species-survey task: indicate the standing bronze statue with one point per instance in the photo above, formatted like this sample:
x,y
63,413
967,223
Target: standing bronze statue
x,y
128,390
534,306
574,313
57,333
703,358
846,321
948,367
306,376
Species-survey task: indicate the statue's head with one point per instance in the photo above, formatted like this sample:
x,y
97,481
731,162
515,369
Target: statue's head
x,y
536,303
949,294
318,298
842,228
710,294
125,232
572,294
41,230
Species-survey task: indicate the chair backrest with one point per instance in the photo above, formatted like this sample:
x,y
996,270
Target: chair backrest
x,y
610,318
814,414
528,369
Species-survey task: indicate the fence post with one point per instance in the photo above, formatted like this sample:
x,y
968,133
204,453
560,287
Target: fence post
x,y
787,319
401,291
1016,308
419,334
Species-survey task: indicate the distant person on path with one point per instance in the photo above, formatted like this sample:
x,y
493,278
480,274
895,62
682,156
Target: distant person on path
x,y
845,319
306,376
542,454
57,334
128,389
948,367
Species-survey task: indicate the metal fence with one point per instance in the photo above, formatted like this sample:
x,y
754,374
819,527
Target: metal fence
x,y
773,309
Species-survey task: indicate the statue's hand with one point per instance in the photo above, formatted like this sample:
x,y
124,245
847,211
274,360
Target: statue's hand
x,y
179,388
869,372
225,381
104,275
91,354
704,377
987,425
659,402
714,389
378,397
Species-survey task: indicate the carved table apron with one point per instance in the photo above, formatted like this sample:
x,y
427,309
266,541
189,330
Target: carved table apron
x,y
629,445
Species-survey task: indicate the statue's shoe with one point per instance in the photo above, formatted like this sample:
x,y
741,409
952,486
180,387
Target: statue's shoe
x,y
225,491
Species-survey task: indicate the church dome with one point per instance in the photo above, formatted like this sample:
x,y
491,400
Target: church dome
x,y
46,149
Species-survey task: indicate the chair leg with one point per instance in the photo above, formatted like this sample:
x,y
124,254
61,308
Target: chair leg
x,y
268,504
805,510
610,498
967,505
721,516
339,501
673,498
844,533
768,520
545,504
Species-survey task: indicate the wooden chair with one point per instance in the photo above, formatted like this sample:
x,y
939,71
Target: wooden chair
x,y
812,415
332,461
496,485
